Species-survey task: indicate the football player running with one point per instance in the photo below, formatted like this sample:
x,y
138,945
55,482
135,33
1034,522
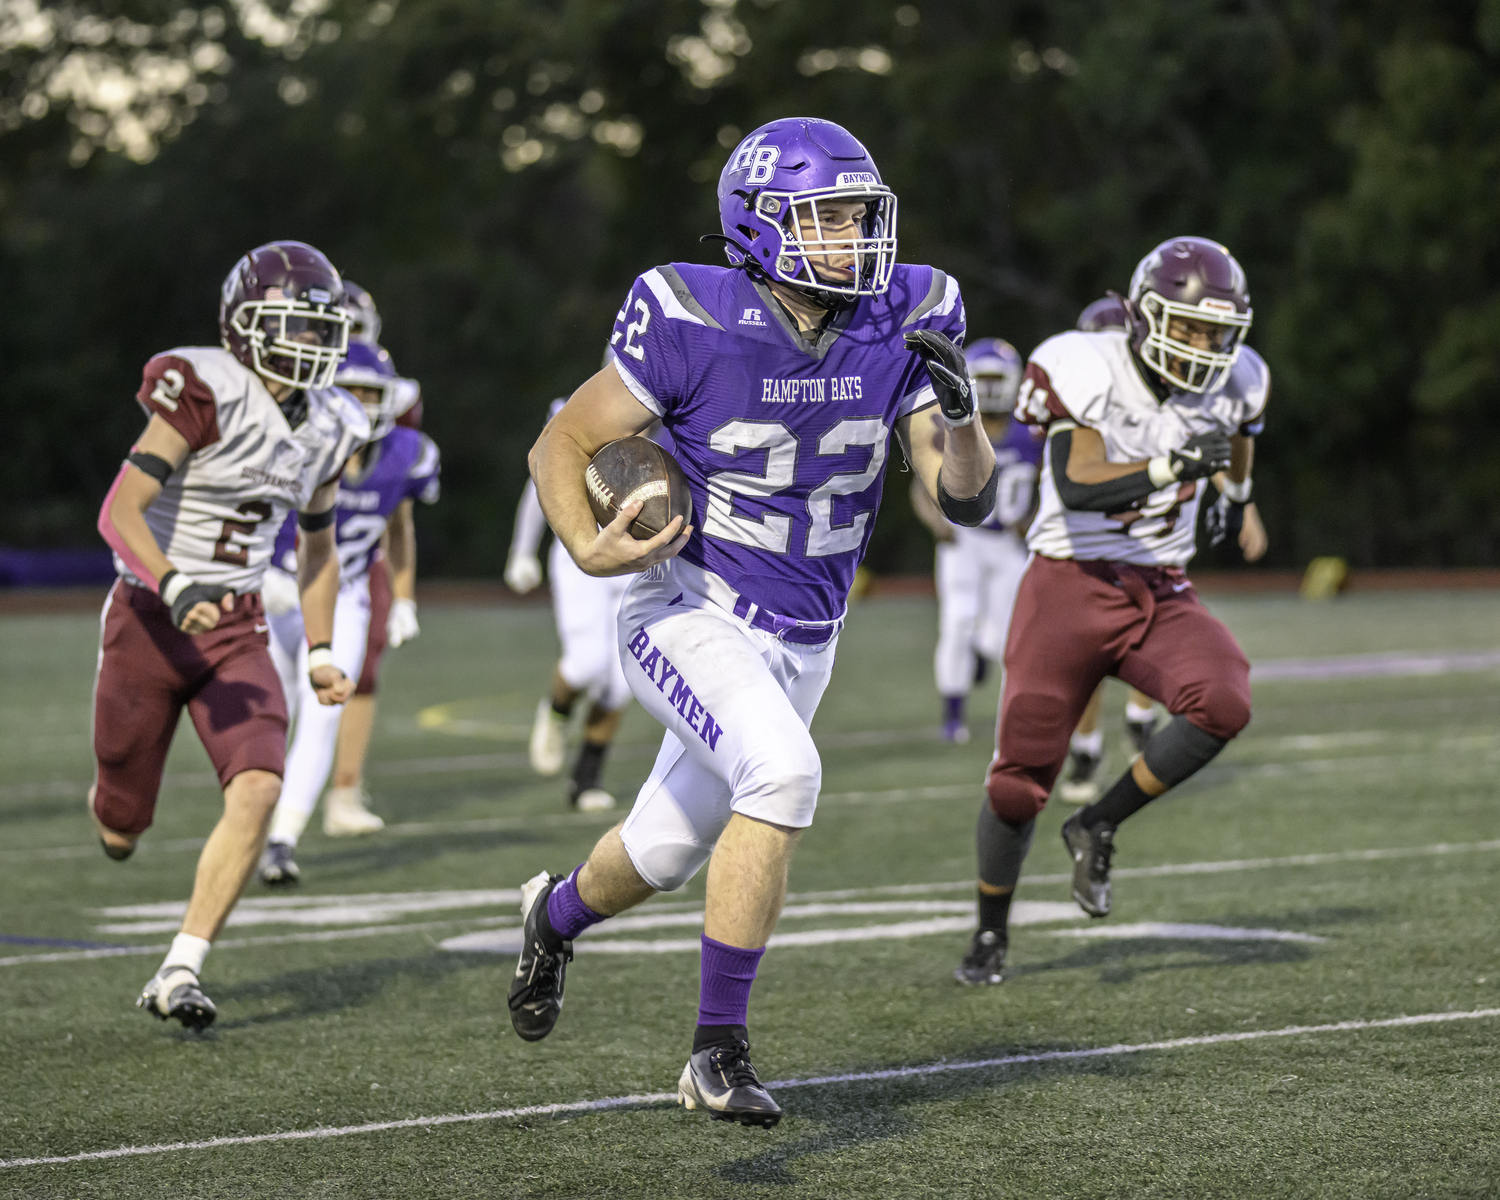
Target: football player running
x,y
1137,420
781,380
378,488
587,610
1079,783
236,438
979,569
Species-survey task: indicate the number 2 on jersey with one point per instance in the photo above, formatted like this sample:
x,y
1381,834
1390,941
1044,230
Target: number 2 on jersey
x,y
227,549
773,531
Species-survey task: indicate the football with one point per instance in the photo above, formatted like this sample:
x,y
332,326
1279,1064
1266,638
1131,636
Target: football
x,y
636,468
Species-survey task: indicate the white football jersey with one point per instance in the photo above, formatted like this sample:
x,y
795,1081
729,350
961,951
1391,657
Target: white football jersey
x,y
1093,380
218,513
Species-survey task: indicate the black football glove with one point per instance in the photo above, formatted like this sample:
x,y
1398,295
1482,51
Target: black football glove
x,y
193,593
1224,520
949,374
1201,455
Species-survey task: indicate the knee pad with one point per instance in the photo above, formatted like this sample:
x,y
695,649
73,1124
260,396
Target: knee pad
x,y
667,864
1015,797
1180,750
784,792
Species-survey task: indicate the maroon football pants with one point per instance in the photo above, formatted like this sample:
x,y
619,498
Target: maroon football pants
x,y
1075,623
149,670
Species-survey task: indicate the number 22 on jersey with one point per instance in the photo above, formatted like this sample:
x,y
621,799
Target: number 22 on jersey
x,y
773,530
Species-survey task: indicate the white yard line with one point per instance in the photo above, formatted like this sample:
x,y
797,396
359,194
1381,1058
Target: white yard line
x,y
649,1099
1176,932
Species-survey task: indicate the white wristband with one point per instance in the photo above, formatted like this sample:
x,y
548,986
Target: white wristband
x,y
174,588
1238,493
319,656
1161,471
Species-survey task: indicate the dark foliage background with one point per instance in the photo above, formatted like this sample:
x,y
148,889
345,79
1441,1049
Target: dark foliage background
x,y
497,171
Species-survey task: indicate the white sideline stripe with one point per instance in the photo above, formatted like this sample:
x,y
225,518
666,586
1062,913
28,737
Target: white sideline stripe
x,y
900,889
1168,929
1373,666
654,1098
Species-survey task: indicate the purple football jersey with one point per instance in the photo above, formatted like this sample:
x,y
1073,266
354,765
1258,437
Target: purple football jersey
x,y
402,465
784,442
1018,454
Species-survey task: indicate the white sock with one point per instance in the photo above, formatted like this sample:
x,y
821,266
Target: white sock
x,y
187,951
1091,744
1139,716
287,824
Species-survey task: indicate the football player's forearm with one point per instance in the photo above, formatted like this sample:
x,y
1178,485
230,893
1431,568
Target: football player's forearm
x,y
318,582
557,465
122,523
968,461
1241,458
401,553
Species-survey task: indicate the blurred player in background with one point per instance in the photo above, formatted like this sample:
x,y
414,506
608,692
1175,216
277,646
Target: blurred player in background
x,y
587,609
237,437
393,599
979,569
378,488
1137,420
781,380
1086,747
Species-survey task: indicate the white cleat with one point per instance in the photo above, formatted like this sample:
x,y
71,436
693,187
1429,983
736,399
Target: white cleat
x,y
549,739
345,814
594,800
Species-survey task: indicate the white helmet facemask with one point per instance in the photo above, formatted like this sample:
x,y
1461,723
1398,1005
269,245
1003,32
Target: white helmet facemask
x,y
1190,367
277,331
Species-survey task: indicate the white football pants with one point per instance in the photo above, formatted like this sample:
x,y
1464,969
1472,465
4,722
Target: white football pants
x,y
315,735
977,577
587,610
736,701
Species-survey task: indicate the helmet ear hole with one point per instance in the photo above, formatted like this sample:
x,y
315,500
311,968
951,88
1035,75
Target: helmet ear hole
x,y
748,232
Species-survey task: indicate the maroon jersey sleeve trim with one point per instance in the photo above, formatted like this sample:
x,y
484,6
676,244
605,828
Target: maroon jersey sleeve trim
x,y
1040,398
171,390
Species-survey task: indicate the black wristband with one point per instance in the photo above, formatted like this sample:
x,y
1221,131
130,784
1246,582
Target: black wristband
x,y
974,510
1113,495
161,584
150,464
320,646
312,522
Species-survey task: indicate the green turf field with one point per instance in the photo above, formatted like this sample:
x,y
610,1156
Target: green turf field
x,y
340,1014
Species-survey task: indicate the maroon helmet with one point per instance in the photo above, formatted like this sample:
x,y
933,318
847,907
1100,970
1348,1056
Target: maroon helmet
x,y
1192,279
1106,313
281,313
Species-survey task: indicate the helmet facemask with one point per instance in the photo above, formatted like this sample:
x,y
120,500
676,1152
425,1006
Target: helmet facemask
x,y
864,260
1189,367
276,330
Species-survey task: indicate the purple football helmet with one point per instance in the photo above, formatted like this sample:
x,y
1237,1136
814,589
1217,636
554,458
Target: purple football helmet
x,y
769,196
1106,313
281,313
364,317
368,366
1196,280
996,368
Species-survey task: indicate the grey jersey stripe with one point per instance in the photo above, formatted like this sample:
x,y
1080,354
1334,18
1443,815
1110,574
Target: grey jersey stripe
x,y
686,298
933,298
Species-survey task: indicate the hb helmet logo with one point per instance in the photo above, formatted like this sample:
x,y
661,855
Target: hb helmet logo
x,y
759,161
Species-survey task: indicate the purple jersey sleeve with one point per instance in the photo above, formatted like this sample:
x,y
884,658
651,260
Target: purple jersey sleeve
x,y
284,555
422,477
1018,455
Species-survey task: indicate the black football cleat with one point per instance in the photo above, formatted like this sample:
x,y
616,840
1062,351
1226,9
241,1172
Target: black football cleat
x,y
722,1080
981,965
536,990
118,853
174,992
1080,785
1138,733
1091,850
277,866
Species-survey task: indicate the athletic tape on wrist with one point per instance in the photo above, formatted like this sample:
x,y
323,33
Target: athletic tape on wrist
x,y
1161,471
1238,493
319,656
173,584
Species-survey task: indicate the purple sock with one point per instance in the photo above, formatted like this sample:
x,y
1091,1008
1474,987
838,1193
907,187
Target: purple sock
x,y
953,707
724,987
566,912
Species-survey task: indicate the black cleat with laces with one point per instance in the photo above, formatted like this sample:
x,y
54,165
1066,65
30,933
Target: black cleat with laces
x,y
981,965
722,1080
173,992
1090,850
536,990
